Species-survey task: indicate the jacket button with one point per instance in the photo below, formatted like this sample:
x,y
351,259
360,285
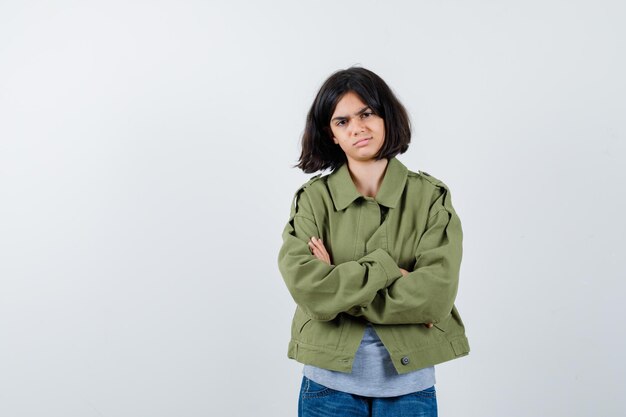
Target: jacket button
x,y
405,360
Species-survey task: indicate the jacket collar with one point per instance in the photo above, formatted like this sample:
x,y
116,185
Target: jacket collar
x,y
344,192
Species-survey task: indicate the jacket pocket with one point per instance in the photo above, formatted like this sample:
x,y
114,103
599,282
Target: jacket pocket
x,y
416,336
307,321
300,320
316,333
443,324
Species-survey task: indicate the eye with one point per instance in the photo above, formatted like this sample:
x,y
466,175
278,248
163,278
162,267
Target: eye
x,y
340,123
366,114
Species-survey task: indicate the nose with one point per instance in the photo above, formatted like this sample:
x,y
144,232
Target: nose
x,y
358,127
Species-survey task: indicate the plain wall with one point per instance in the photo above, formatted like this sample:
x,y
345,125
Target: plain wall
x,y
145,180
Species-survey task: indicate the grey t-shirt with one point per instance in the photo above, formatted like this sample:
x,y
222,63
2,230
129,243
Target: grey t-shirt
x,y
373,373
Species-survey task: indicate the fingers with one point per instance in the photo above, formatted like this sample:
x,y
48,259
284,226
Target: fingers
x,y
317,247
429,325
317,244
316,251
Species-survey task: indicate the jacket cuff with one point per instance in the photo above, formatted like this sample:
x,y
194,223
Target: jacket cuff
x,y
388,264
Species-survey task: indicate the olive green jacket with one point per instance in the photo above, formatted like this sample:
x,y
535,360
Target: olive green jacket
x,y
410,224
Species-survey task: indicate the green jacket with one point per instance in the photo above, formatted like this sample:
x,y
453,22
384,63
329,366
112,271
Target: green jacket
x,y
410,224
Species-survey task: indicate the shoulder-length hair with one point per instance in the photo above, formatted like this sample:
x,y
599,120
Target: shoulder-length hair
x,y
319,152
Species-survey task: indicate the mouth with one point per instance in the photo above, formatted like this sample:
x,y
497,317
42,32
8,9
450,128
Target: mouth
x,y
362,141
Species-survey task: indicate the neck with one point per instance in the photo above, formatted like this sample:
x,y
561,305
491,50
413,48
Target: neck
x,y
368,175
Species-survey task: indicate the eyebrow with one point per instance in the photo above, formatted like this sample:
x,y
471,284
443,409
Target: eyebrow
x,y
356,114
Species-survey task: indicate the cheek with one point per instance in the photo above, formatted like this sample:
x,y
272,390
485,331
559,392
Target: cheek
x,y
339,134
382,128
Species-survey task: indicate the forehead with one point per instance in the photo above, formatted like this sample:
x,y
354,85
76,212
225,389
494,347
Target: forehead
x,y
349,104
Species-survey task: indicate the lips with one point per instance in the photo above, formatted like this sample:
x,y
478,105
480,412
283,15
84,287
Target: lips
x,y
361,141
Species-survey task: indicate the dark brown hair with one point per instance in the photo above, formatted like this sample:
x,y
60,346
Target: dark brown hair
x,y
319,152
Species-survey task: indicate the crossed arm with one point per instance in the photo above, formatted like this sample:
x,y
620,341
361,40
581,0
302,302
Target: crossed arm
x,y
374,287
319,250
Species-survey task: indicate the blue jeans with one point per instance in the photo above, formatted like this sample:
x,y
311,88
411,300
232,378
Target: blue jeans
x,y
317,400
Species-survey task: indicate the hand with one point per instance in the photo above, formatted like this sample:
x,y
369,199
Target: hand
x,y
318,249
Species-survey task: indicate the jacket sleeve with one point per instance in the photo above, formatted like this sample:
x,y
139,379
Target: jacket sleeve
x,y
321,290
427,294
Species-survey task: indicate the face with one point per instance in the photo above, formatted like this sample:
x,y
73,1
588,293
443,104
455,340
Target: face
x,y
356,129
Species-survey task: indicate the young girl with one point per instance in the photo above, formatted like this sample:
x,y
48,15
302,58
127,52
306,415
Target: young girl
x,y
371,256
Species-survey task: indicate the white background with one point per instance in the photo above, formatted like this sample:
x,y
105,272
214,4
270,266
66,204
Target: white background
x,y
145,179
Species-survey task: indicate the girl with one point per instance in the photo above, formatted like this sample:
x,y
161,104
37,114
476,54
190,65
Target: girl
x,y
371,255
